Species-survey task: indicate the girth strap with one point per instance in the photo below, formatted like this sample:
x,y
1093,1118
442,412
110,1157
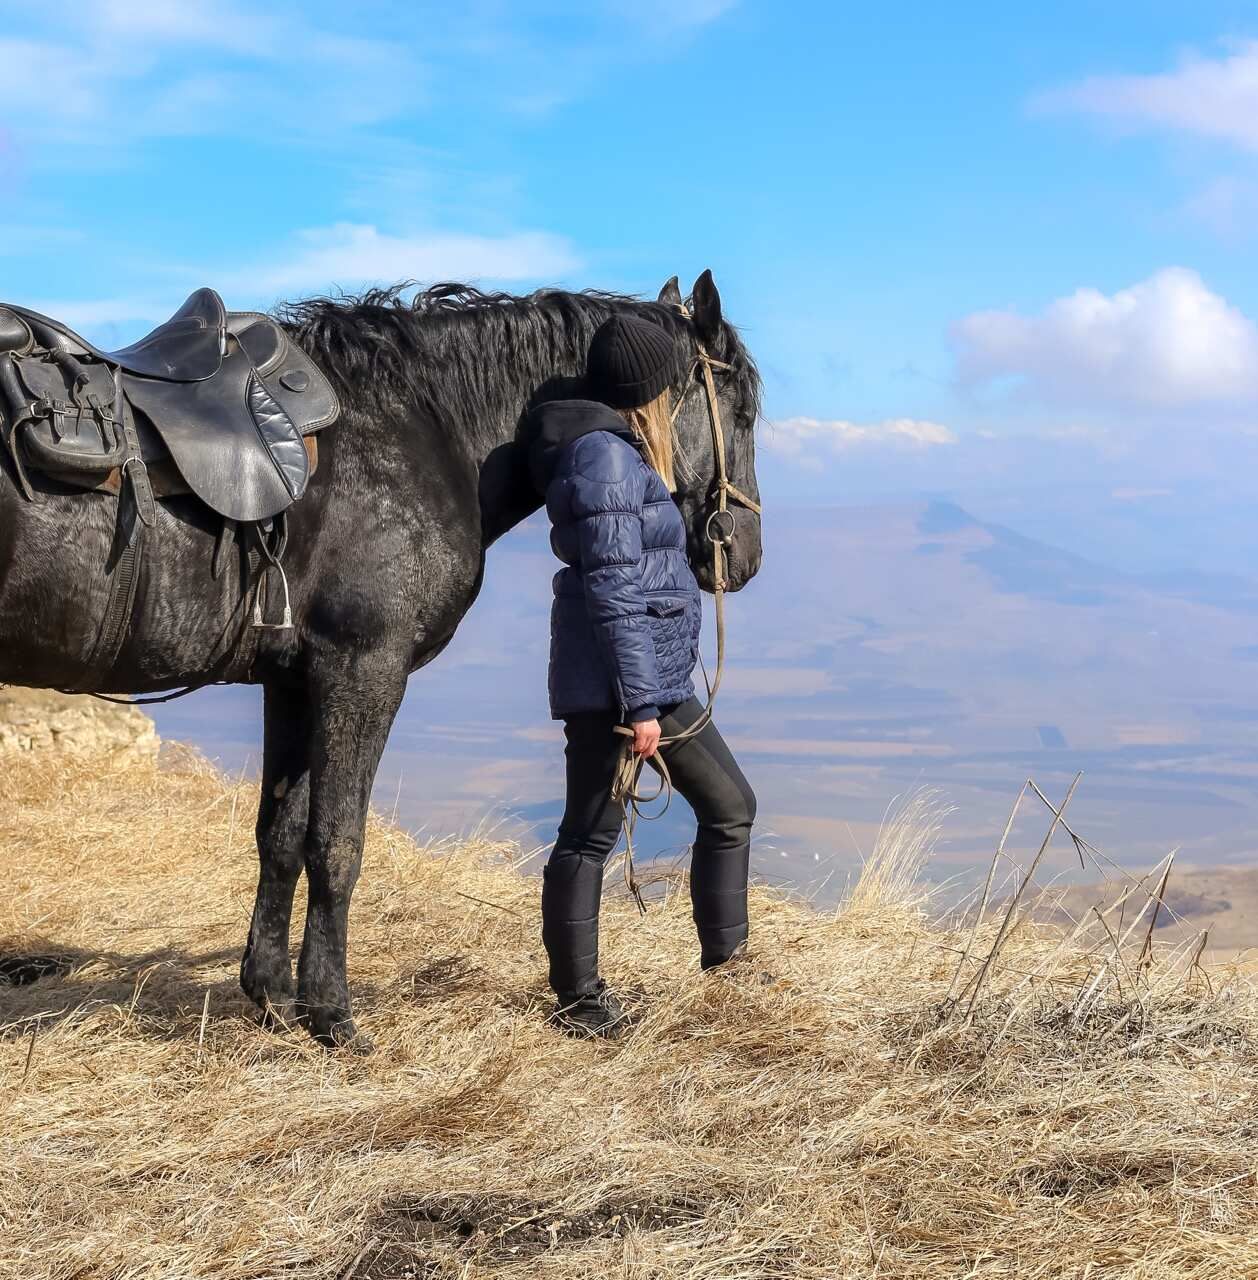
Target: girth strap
x,y
133,467
129,541
137,513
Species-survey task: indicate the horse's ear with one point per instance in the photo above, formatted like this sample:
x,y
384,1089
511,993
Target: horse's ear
x,y
671,292
705,303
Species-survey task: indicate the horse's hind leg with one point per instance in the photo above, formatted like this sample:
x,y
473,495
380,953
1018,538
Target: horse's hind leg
x,y
266,972
355,699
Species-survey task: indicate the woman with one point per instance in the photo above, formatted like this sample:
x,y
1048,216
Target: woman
x,y
624,644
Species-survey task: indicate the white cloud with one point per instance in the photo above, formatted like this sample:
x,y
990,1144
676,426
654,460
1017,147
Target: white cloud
x,y
94,316
17,239
1214,97
1228,206
348,254
1165,342
208,23
803,439
126,71
130,70
659,16
28,67
1123,494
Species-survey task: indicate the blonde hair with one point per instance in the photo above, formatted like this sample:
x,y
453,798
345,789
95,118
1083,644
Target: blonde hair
x,y
653,425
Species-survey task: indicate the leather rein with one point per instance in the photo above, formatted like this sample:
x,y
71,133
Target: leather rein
x,y
719,529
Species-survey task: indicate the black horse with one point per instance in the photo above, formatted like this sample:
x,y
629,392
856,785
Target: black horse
x,y
423,471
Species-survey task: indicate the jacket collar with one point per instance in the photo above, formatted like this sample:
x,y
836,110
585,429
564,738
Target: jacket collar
x,y
557,423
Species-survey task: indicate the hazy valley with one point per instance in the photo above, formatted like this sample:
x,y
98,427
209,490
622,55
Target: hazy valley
x,y
924,647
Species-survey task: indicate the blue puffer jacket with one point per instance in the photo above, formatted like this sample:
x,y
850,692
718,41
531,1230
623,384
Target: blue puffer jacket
x,y
624,629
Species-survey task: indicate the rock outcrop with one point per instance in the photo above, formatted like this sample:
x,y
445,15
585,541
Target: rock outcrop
x,y
41,720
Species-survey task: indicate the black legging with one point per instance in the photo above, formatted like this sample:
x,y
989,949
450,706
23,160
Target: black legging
x,y
708,777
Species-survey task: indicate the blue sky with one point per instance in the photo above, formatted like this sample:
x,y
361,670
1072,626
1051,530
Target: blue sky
x,y
974,246
1002,254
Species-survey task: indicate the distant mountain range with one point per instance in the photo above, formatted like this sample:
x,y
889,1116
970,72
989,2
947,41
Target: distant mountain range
x,y
881,648
961,653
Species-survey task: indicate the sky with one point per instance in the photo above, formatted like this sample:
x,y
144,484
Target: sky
x,y
991,255
978,250
1004,253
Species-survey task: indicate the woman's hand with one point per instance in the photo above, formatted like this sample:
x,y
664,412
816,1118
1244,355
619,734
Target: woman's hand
x,y
646,738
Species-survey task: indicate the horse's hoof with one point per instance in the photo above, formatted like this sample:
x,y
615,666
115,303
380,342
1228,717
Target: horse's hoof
x,y
341,1034
271,989
279,1015
361,1046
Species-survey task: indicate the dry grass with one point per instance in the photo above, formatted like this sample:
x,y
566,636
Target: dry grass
x,y
833,1121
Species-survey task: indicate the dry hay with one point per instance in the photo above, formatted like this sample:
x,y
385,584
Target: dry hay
x,y
818,1113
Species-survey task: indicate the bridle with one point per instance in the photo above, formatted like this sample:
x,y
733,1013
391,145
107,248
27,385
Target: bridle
x,y
720,524
719,528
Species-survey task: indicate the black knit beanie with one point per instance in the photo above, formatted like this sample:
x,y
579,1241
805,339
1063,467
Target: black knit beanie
x,y
630,362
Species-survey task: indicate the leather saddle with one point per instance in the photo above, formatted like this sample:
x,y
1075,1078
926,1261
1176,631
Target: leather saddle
x,y
214,402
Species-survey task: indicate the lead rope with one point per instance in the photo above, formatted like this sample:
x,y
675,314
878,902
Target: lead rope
x,y
720,532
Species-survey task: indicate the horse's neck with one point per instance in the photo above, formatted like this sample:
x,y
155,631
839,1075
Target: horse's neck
x,y
497,455
505,488
505,485
499,461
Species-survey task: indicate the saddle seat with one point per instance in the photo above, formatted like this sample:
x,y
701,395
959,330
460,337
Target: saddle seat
x,y
189,347
224,394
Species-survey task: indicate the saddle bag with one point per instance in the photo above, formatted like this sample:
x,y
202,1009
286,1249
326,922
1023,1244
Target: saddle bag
x,y
60,414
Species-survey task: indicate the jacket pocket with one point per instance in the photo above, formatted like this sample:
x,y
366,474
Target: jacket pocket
x,y
666,606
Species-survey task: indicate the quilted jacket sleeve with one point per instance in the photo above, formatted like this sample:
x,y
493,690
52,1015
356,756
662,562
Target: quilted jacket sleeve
x,y
608,484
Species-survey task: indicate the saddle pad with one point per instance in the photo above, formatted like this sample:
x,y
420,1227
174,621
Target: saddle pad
x,y
238,450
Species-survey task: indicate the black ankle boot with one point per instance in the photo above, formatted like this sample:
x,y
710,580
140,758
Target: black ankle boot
x,y
718,957
597,1013
741,962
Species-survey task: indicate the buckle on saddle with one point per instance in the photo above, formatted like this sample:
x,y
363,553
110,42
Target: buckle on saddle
x,y
133,468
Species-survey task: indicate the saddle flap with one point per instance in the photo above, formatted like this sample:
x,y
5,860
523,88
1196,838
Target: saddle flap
x,y
233,444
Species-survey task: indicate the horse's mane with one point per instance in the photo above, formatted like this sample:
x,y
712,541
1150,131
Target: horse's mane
x,y
465,353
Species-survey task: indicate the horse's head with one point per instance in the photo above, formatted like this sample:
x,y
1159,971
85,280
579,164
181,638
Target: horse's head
x,y
716,406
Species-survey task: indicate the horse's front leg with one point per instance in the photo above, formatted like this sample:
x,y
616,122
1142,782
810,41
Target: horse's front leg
x,y
354,700
266,973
